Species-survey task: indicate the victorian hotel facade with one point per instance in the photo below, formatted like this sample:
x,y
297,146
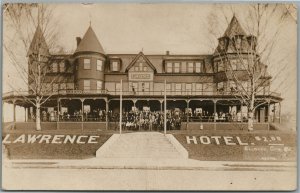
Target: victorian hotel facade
x,y
91,84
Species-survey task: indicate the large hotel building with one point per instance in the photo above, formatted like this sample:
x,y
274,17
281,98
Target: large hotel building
x,y
89,81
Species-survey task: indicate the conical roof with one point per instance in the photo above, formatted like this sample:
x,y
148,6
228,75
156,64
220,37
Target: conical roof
x,y
38,44
90,43
234,28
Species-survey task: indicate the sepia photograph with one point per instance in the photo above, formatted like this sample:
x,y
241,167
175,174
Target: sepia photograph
x,y
149,96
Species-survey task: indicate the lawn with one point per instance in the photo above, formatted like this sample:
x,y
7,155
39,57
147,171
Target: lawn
x,y
239,145
54,151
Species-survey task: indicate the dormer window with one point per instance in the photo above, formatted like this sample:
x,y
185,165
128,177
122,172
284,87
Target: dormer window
x,y
190,67
169,67
54,67
176,67
62,67
86,63
115,66
198,67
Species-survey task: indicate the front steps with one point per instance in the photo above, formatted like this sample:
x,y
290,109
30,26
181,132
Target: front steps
x,y
152,145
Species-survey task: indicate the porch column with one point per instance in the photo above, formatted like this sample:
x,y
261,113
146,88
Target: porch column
x,y
14,114
25,110
161,105
279,112
106,113
82,112
215,109
187,117
58,113
268,111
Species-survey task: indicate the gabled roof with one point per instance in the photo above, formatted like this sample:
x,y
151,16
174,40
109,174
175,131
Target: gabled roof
x,y
234,28
38,44
90,43
141,54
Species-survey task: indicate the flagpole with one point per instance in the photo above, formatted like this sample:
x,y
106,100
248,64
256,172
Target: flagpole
x,y
121,93
165,109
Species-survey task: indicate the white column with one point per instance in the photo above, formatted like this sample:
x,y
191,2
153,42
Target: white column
x,y
121,93
165,109
14,114
106,113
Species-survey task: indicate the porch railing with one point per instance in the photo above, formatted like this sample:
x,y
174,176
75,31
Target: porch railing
x,y
138,93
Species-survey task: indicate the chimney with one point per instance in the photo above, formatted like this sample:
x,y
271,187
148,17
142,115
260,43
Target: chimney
x,y
78,40
167,52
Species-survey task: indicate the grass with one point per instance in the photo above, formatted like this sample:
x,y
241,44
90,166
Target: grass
x,y
225,152
54,151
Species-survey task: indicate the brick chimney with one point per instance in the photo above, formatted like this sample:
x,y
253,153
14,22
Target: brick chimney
x,y
78,40
167,52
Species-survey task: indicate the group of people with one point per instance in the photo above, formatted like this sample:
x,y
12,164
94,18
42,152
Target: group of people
x,y
146,120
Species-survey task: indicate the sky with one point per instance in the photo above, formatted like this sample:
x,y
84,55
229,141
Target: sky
x,y
155,28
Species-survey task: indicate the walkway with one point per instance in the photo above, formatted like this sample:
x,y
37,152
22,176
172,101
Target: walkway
x,y
142,145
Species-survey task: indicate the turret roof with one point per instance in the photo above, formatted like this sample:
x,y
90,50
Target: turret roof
x,y
234,28
90,43
38,44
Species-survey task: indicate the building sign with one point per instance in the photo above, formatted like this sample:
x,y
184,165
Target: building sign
x,y
53,139
246,147
140,76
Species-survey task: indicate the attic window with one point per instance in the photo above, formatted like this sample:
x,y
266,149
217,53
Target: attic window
x,y
115,66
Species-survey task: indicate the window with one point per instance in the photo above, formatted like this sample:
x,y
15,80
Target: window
x,y
134,86
220,86
199,88
54,67
145,68
238,42
55,87
178,88
233,64
188,88
115,66
99,65
63,86
86,85
62,67
145,86
198,67
86,63
70,86
183,67
190,67
220,66
99,85
169,67
141,66
136,68
232,86
176,67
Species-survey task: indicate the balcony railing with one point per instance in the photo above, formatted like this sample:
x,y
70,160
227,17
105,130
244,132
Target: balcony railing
x,y
135,93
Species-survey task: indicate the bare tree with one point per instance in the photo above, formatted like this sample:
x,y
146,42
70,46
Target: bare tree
x,y
32,36
242,60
